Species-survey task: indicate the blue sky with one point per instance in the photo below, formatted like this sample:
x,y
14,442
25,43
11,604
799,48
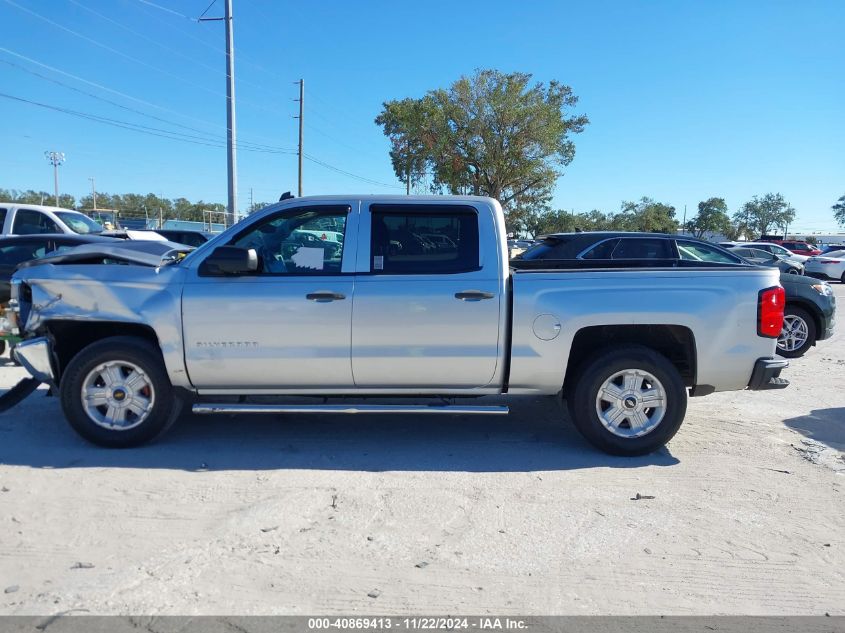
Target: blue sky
x,y
687,100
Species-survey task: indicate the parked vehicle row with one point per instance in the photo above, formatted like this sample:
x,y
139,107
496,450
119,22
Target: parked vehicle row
x,y
258,312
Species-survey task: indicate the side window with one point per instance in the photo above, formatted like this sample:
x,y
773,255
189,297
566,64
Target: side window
x,y
31,222
602,250
693,251
642,248
423,240
3,213
293,242
21,251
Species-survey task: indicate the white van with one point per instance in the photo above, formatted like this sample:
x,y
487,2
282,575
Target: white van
x,y
27,219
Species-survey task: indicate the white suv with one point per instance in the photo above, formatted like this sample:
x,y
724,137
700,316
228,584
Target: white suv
x,y
27,219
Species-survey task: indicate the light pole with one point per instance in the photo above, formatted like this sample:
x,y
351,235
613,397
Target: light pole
x,y
56,159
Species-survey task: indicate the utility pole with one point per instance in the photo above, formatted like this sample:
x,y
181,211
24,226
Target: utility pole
x,y
408,168
93,192
301,100
231,160
251,203
56,159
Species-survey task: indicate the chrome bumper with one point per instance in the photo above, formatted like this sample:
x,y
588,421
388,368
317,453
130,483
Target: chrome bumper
x,y
37,358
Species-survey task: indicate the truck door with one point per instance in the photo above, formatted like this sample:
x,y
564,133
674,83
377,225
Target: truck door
x,y
287,325
426,312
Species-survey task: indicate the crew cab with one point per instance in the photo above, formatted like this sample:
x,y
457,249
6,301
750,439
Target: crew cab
x,y
384,312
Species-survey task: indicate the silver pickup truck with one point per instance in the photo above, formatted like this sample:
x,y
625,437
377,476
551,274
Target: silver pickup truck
x,y
363,298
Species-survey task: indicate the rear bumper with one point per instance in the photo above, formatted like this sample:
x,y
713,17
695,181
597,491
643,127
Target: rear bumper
x,y
766,374
37,358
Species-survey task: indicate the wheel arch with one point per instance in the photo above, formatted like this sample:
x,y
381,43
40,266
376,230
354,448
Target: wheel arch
x,y
675,342
71,337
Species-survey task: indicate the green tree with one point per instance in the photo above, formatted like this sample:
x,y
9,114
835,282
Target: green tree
x,y
760,214
712,218
493,134
646,215
839,211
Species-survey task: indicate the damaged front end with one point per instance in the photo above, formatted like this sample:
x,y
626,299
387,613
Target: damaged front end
x,y
35,355
63,302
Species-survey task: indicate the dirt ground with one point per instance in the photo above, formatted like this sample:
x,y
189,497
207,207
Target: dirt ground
x,y
743,513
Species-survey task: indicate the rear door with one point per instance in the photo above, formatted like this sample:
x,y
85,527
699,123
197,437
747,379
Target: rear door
x,y
426,311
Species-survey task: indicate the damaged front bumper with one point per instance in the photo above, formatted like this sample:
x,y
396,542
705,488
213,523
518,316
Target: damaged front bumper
x,y
36,356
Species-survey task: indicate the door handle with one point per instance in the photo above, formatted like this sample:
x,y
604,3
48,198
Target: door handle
x,y
324,297
473,295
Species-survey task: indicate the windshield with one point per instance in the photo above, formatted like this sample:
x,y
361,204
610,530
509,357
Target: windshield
x,y
79,223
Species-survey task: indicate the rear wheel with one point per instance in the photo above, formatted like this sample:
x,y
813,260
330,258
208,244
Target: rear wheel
x,y
628,401
116,393
798,333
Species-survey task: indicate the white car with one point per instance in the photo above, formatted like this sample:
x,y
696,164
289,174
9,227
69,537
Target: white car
x,y
29,219
828,266
774,249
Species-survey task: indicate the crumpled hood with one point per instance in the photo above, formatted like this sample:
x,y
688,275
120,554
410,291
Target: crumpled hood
x,y
142,253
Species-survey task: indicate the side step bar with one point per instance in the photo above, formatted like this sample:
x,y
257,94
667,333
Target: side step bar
x,y
210,408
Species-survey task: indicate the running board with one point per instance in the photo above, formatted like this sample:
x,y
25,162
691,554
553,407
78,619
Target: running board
x,y
209,408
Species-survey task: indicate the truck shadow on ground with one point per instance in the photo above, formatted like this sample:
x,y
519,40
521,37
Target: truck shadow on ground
x,y
536,436
822,425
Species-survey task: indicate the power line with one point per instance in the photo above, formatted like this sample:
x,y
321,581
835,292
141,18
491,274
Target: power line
x,y
110,49
159,44
168,10
176,136
350,174
143,129
122,94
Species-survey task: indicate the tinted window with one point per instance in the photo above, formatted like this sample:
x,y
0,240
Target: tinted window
x,y
21,251
642,248
29,222
419,241
695,251
3,213
290,242
603,250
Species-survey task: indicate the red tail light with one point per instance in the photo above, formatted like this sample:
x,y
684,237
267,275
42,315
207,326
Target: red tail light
x,y
770,312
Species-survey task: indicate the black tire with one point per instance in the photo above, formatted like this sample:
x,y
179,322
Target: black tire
x,y
597,369
165,403
842,279
2,346
806,317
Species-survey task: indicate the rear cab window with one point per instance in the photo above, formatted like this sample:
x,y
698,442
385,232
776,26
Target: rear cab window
x,y
420,240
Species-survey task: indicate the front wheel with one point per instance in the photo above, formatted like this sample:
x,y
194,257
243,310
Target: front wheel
x,y
628,401
798,333
116,393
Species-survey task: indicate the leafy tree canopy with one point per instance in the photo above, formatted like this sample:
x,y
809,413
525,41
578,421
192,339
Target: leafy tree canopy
x,y
493,134
839,211
712,218
761,214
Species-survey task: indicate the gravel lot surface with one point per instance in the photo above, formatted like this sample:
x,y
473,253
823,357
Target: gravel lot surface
x,y
743,513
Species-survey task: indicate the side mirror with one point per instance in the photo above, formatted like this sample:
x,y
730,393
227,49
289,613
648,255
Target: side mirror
x,y
230,260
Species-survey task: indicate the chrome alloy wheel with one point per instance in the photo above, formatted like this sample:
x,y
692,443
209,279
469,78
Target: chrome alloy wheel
x,y
117,395
794,334
631,403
